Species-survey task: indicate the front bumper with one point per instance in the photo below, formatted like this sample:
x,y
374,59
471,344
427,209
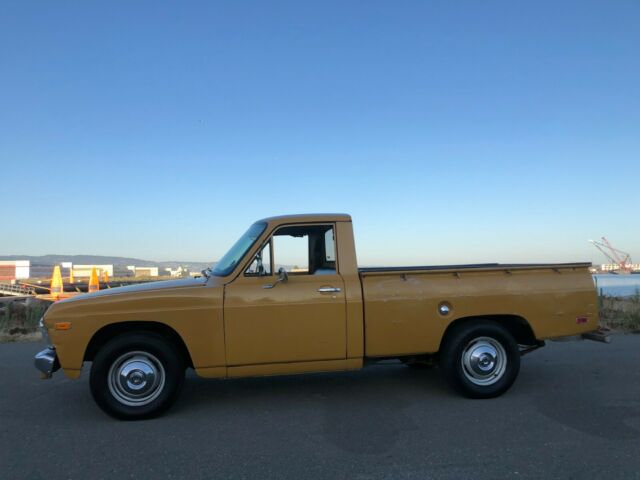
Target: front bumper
x,y
47,362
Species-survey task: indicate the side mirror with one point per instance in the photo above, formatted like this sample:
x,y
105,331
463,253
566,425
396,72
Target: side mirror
x,y
283,277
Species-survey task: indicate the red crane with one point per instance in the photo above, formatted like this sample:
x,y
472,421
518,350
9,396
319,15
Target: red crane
x,y
615,256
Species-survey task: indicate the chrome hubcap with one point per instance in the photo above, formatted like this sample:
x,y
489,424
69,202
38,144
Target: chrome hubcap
x,y
136,378
484,361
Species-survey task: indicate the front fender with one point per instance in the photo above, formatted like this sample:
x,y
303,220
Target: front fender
x,y
193,312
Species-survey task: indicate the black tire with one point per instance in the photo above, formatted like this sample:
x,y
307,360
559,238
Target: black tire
x,y
155,376
480,359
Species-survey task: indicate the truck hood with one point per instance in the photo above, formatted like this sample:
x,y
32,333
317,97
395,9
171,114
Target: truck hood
x,y
139,287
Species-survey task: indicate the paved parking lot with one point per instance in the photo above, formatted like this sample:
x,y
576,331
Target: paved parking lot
x,y
573,413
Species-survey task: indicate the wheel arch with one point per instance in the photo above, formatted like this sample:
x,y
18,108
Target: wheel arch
x,y
108,332
516,325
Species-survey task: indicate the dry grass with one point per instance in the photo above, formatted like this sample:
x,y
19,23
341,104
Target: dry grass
x,y
19,318
20,337
620,313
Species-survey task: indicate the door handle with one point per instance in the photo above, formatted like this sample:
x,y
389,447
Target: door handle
x,y
329,289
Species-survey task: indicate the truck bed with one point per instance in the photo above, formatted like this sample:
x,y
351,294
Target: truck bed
x,y
401,304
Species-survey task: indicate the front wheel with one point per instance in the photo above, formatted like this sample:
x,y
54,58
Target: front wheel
x,y
480,359
137,375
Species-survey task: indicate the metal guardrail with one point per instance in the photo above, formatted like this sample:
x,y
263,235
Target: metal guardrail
x,y
16,289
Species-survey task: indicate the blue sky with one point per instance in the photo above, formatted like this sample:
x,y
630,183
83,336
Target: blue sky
x,y
451,131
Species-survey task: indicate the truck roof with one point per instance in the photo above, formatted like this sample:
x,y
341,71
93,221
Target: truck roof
x,y
309,217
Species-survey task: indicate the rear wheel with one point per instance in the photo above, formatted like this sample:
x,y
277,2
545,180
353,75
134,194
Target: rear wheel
x,y
480,359
137,375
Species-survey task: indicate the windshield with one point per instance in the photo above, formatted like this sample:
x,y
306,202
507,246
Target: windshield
x,y
227,263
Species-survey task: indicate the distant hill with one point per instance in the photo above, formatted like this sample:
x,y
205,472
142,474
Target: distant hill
x,y
47,261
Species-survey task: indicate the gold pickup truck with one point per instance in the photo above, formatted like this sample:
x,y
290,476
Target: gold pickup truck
x,y
288,297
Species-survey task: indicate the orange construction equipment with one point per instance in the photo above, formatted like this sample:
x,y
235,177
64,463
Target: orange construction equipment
x,y
56,283
621,260
94,283
105,276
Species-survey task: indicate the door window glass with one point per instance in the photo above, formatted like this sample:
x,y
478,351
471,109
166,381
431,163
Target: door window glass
x,y
292,253
305,249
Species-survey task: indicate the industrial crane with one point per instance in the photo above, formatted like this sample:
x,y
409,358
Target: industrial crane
x,y
615,256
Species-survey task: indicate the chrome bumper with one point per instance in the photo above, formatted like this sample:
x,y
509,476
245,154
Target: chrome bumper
x,y
47,362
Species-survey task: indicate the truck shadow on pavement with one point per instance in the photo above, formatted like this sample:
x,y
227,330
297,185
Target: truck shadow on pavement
x,y
361,412
579,404
369,411
599,395
573,409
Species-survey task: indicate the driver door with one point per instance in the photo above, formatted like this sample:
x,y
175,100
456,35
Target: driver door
x,y
300,319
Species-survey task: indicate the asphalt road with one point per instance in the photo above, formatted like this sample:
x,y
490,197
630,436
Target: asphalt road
x,y
574,412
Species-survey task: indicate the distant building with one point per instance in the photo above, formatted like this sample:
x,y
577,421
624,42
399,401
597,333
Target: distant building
x,y
14,269
614,267
177,272
84,271
609,267
143,271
